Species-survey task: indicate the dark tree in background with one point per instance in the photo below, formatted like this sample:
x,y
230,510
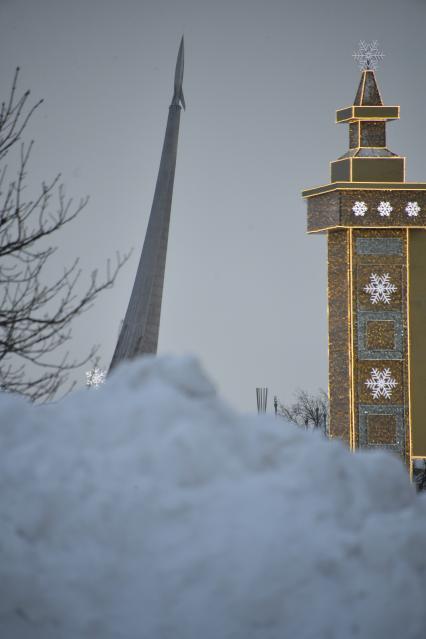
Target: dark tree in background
x,y
35,316
308,410
419,474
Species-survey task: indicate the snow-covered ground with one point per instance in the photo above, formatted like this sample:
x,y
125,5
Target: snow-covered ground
x,y
148,509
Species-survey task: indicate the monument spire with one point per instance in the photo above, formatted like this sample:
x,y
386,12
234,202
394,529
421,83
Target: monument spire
x,y
139,332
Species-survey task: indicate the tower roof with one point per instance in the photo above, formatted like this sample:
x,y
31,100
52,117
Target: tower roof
x,y
139,333
368,104
368,163
368,93
368,158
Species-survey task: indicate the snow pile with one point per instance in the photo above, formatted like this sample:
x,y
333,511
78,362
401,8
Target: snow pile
x,y
148,509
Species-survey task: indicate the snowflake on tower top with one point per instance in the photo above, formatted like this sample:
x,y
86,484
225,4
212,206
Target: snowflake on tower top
x,y
95,377
368,55
380,288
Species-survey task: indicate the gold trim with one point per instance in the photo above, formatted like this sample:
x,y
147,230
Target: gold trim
x,y
368,146
363,87
380,107
366,186
352,159
328,338
358,161
376,157
417,344
351,348
346,119
370,118
365,228
410,439
377,86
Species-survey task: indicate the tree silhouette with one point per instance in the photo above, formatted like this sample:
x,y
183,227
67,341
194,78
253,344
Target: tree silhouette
x,y
308,410
35,316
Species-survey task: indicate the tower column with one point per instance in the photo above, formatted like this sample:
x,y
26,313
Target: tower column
x,y
375,223
416,258
339,330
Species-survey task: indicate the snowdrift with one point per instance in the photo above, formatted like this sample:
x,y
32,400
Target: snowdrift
x,y
148,509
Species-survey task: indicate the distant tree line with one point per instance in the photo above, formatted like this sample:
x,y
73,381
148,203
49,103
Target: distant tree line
x,y
419,474
308,410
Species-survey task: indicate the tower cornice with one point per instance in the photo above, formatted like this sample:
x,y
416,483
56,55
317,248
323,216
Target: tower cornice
x,y
372,186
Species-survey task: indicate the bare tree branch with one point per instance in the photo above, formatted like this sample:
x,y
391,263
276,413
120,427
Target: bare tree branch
x,y
36,317
308,411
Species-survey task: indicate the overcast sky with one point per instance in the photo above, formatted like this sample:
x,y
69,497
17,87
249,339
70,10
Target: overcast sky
x,y
245,286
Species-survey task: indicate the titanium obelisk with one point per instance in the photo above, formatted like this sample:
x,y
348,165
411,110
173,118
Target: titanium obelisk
x,y
139,333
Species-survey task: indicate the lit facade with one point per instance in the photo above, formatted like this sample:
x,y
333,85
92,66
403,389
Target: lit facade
x,y
375,223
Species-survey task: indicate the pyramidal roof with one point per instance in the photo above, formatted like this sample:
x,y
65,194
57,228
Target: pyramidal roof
x,y
368,93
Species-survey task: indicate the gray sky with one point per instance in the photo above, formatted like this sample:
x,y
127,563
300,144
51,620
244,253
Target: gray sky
x,y
245,286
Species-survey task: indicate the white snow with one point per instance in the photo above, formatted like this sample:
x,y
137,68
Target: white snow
x,y
150,510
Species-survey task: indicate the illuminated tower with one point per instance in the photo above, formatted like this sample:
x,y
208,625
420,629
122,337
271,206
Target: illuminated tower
x,y
141,325
375,223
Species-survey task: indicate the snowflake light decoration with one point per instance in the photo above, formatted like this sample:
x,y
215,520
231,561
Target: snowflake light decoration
x,y
381,383
385,209
368,55
412,209
380,288
360,208
95,377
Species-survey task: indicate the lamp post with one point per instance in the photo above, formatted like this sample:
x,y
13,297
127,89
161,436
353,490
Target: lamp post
x,y
262,399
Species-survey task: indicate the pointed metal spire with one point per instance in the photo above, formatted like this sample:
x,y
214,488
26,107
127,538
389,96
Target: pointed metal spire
x,y
368,93
139,333
178,94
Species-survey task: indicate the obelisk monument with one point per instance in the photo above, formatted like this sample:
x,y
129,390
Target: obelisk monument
x,y
140,329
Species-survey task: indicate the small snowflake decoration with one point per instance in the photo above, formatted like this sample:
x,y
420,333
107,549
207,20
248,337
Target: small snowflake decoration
x,y
412,209
385,209
95,377
368,55
381,383
360,208
380,288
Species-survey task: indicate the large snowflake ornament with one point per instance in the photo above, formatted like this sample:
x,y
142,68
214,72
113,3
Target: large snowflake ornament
x,y
412,209
381,383
95,377
360,208
385,209
380,288
368,55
